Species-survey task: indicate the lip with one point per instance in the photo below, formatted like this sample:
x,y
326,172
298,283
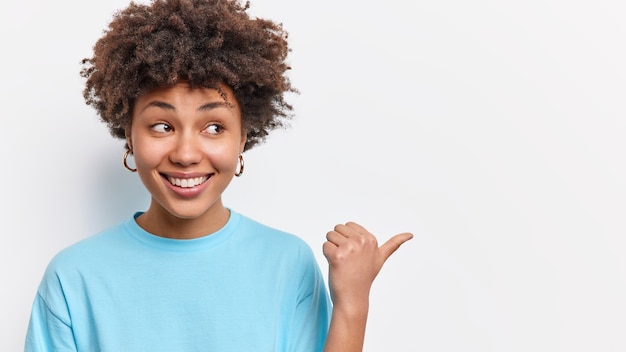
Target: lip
x,y
187,192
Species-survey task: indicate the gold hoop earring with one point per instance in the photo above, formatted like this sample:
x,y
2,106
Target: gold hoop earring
x,y
128,152
238,173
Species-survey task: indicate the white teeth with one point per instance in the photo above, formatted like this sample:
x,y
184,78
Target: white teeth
x,y
187,182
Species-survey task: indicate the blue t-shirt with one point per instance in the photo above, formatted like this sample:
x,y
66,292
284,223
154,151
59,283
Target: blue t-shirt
x,y
246,287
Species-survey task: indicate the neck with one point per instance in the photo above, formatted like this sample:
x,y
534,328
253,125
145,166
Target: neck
x,y
160,222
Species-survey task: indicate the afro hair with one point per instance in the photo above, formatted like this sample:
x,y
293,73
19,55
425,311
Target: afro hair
x,y
204,42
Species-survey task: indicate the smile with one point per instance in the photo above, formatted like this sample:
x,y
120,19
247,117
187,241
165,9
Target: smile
x,y
187,182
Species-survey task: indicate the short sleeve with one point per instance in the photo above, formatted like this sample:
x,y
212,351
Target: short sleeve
x,y
46,332
313,309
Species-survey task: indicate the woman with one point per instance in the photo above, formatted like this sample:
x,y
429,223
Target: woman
x,y
190,85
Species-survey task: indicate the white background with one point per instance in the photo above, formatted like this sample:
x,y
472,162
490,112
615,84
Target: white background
x,y
492,130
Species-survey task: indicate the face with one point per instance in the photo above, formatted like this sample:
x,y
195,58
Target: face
x,y
186,143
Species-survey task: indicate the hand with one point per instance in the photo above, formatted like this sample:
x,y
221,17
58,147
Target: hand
x,y
355,260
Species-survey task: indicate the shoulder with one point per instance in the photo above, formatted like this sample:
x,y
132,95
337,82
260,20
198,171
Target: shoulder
x,y
255,228
89,249
285,253
273,239
70,266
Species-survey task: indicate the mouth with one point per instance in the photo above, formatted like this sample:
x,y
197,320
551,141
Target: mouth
x,y
186,182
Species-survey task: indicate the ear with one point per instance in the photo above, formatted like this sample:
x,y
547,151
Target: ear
x,y
128,138
244,139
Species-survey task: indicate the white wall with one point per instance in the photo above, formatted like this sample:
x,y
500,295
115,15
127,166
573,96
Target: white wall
x,y
493,130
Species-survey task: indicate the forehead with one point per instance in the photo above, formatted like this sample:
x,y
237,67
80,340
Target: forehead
x,y
184,94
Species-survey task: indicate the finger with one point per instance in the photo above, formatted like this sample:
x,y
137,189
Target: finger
x,y
328,249
353,230
346,230
356,227
335,238
392,245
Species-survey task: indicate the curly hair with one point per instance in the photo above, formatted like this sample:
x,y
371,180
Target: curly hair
x,y
205,42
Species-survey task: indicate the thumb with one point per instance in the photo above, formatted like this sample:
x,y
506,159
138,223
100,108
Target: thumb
x,y
392,245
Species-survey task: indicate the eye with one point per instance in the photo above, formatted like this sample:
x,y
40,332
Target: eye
x,y
214,128
161,128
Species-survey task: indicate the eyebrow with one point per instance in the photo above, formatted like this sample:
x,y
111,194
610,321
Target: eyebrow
x,y
214,105
204,107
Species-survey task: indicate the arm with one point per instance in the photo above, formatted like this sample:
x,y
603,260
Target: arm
x,y
354,260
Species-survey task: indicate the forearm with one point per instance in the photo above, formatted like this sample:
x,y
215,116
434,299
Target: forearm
x,y
347,328
354,260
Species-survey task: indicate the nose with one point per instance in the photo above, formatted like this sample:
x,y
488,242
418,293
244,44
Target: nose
x,y
187,150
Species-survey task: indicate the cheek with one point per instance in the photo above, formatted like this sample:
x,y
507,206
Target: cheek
x,y
148,155
223,157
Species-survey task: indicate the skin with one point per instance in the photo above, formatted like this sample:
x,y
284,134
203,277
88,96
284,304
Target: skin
x,y
354,261
187,134
194,134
